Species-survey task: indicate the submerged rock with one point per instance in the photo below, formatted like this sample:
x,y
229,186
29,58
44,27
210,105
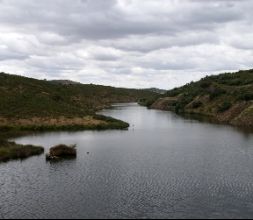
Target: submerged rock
x,y
61,151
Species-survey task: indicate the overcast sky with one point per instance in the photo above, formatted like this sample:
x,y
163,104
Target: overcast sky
x,y
126,43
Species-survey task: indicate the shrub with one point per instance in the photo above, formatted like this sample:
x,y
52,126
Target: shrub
x,y
216,92
205,84
197,104
245,97
148,101
224,107
174,92
236,82
63,151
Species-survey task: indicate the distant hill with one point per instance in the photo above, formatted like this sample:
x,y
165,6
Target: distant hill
x,y
227,98
156,90
26,97
29,101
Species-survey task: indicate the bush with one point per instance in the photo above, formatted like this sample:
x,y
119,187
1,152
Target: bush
x,y
148,101
197,104
205,84
63,151
236,82
216,92
224,107
245,97
174,92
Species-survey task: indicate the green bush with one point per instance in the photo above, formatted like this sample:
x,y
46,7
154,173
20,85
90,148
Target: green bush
x,y
215,92
245,97
196,104
174,92
148,101
224,107
205,84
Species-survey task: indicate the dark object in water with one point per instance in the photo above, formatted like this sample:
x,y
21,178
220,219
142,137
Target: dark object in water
x,y
61,151
52,158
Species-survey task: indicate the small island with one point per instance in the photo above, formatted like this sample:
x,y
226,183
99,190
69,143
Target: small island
x,y
61,152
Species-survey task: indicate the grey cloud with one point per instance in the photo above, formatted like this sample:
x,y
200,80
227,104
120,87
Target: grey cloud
x,y
150,43
98,19
8,55
125,42
106,57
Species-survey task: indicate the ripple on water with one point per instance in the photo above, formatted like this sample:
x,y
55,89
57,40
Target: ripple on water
x,y
167,167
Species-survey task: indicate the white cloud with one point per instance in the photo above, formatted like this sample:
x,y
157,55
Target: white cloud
x,y
130,43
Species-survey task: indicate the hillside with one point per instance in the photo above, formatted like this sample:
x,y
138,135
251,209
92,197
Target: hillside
x,y
29,102
226,98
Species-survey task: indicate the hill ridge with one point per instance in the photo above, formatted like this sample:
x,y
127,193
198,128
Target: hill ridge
x,y
226,98
43,105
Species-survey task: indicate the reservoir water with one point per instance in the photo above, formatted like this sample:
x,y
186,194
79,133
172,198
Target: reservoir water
x,y
164,166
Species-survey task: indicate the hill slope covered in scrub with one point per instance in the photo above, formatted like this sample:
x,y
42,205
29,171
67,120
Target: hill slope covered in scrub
x,y
226,98
26,102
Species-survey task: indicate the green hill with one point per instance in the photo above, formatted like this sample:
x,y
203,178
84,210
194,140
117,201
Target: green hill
x,y
47,104
227,98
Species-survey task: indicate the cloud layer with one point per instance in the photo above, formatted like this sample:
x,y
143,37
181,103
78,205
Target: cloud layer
x,y
130,43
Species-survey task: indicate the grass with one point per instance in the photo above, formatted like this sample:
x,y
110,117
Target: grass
x,y
95,122
13,151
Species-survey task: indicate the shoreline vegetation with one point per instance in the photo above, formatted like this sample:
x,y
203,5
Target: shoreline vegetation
x,y
18,127
224,99
13,128
30,105
12,151
96,122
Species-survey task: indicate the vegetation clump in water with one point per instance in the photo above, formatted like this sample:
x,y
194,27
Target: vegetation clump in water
x,y
13,151
62,151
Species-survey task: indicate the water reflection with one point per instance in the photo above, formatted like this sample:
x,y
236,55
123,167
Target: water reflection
x,y
165,166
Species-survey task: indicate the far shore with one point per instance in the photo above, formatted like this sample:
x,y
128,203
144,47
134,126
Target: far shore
x,y
95,122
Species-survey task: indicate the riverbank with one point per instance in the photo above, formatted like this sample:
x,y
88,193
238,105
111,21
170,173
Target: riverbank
x,y
239,114
226,98
30,105
162,154
95,122
18,127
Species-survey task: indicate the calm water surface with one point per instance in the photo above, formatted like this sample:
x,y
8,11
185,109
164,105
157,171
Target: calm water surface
x,y
164,166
